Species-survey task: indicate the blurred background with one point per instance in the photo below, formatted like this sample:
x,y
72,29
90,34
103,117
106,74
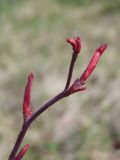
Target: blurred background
x,y
84,126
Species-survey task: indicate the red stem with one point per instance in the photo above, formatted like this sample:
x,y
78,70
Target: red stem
x,y
27,123
74,57
66,92
20,137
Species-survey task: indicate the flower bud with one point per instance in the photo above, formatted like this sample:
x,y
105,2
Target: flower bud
x,y
22,152
93,62
76,44
27,112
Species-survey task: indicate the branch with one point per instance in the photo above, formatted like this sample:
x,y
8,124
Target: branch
x,y
77,86
76,45
74,57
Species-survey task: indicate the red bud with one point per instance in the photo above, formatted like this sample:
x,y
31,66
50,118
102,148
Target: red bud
x,y
76,44
22,152
27,95
93,62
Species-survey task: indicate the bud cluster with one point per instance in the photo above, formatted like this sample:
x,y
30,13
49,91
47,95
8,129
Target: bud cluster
x,y
79,84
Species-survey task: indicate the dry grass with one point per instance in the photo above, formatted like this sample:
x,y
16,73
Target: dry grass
x,y
32,38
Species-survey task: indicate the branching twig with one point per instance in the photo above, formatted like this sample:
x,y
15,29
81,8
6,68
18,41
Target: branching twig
x,y
77,86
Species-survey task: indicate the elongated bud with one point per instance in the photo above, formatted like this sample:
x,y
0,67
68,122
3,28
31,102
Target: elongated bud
x,y
93,62
22,152
28,89
27,112
76,44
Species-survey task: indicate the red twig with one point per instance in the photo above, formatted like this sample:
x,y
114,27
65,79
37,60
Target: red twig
x,y
76,45
78,85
